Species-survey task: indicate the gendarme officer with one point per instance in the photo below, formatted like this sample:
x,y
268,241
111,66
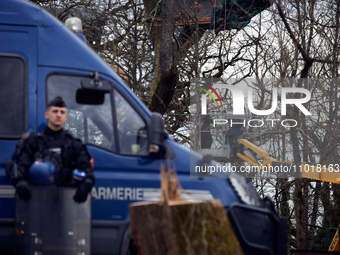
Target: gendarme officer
x,y
57,147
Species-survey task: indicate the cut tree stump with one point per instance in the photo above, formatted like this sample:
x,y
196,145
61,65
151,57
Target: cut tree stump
x,y
175,226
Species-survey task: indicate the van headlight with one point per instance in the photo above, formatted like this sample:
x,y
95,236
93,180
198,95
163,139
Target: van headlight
x,y
244,189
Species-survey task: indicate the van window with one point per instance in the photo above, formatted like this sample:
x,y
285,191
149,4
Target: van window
x,y
93,124
12,96
131,128
109,122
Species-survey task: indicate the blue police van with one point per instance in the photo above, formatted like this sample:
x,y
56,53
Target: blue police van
x,y
39,59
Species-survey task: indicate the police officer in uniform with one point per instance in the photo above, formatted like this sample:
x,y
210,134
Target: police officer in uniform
x,y
54,145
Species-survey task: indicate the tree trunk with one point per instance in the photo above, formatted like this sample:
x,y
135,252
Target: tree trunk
x,y
167,53
182,227
176,226
314,214
164,80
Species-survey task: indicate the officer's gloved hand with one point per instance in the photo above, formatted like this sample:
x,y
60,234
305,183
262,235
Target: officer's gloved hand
x,y
23,190
83,190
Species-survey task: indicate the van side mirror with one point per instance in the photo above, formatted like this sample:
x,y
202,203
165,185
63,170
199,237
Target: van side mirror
x,y
157,135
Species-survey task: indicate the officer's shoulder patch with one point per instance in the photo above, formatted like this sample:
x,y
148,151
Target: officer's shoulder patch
x,y
25,135
24,139
39,134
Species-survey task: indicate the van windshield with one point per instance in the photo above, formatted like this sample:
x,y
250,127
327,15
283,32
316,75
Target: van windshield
x,y
102,117
93,124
